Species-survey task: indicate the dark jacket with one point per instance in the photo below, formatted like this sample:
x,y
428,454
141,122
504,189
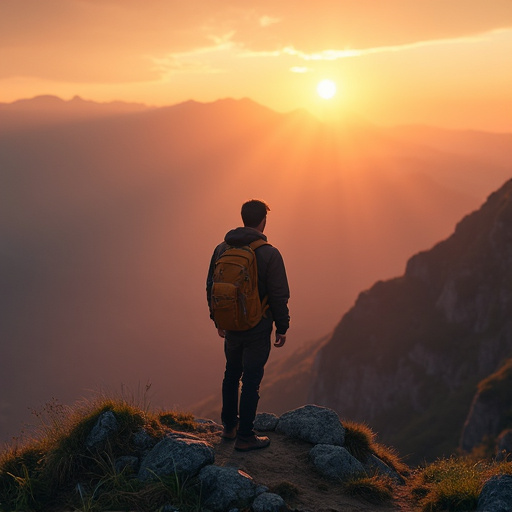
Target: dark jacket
x,y
272,280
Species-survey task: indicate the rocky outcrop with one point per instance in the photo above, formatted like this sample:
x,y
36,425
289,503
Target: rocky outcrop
x,y
186,456
491,410
415,347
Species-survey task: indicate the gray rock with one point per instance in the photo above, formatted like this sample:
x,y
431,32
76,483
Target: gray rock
x,y
317,425
335,462
266,422
207,425
504,446
143,442
268,502
105,426
176,455
224,488
496,495
373,464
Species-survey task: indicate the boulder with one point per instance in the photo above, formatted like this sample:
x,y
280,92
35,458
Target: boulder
x,y
335,462
224,488
317,425
496,495
373,464
268,502
180,455
207,425
143,442
266,422
105,426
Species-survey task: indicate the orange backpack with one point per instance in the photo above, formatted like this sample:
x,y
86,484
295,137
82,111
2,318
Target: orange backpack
x,y
235,301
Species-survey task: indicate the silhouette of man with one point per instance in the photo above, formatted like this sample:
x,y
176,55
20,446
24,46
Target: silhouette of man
x,y
247,351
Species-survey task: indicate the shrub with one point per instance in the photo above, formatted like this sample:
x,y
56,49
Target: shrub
x,y
376,490
452,484
56,470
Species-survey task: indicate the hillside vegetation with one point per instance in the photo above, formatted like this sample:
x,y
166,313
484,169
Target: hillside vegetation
x,y
54,470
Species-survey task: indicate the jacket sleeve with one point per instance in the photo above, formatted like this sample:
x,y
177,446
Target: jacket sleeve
x,y
278,292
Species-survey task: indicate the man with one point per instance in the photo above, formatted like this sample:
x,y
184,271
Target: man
x,y
247,351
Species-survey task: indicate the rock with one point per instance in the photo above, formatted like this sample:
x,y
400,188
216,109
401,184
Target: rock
x,y
373,464
176,455
207,425
335,461
224,488
268,502
105,426
504,446
496,495
143,442
266,422
317,425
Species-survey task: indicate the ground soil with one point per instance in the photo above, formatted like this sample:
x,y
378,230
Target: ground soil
x,y
285,468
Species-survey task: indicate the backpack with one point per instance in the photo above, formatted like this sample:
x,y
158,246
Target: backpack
x,y
235,301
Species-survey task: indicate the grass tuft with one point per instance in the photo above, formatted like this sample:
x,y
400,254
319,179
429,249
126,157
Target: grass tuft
x,y
360,441
57,470
453,484
376,490
178,421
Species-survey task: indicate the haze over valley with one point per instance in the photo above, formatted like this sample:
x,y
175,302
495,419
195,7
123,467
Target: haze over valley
x,y
110,212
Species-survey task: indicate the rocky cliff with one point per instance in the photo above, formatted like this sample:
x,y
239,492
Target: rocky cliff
x,y
409,355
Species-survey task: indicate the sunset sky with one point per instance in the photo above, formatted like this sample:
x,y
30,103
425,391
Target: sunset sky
x,y
441,62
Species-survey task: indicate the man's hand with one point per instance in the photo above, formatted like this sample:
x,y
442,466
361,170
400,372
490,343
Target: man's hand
x,y
280,340
222,333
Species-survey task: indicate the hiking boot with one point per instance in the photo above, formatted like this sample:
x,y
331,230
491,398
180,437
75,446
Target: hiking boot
x,y
245,444
229,433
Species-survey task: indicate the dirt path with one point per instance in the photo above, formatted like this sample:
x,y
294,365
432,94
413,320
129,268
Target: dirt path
x,y
285,468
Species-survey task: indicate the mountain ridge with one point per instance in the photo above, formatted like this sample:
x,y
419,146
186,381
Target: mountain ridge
x,y
399,348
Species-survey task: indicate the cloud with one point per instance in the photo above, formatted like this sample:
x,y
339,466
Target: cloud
x,y
125,41
267,21
332,54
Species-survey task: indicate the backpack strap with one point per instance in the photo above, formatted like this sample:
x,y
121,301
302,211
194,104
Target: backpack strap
x,y
257,243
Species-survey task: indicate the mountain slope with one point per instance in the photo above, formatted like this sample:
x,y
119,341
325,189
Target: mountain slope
x,y
408,356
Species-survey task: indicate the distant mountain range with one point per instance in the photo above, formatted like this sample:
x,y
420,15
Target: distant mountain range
x,y
109,214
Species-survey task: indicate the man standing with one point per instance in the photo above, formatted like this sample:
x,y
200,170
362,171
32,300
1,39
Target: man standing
x,y
247,351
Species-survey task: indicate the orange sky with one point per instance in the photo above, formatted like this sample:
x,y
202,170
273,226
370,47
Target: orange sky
x,y
441,62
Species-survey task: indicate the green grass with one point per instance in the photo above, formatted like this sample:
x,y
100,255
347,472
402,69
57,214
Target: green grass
x,y
377,490
453,484
55,469
360,441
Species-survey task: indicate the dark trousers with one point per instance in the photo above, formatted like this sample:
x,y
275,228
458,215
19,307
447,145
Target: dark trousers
x,y
245,359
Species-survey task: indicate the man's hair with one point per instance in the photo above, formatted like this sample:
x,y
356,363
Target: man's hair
x,y
253,212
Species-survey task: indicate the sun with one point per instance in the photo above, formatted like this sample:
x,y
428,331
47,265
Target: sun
x,y
326,89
